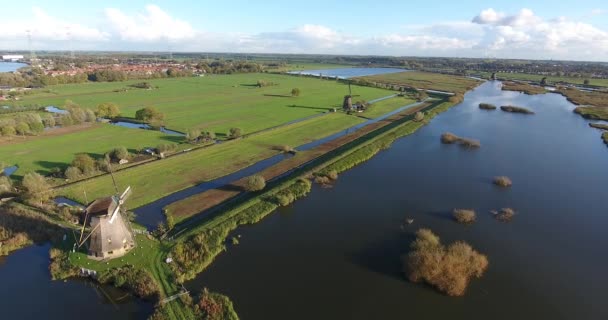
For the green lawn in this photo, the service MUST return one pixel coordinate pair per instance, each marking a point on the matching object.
(385, 106)
(215, 102)
(426, 80)
(550, 79)
(160, 178)
(43, 153)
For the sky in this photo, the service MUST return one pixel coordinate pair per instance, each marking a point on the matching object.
(561, 30)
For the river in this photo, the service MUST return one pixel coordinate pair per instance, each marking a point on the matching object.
(346, 73)
(11, 66)
(336, 253)
(29, 293)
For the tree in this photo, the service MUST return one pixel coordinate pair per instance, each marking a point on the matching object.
(208, 135)
(22, 128)
(5, 184)
(84, 163)
(8, 131)
(586, 82)
(295, 92)
(108, 110)
(36, 127)
(193, 134)
(255, 183)
(119, 153)
(543, 81)
(48, 121)
(36, 188)
(149, 114)
(235, 133)
(72, 173)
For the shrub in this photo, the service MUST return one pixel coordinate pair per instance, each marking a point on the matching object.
(464, 215)
(284, 199)
(72, 173)
(323, 180)
(193, 134)
(450, 138)
(502, 181)
(487, 106)
(287, 149)
(448, 269)
(6, 185)
(255, 183)
(419, 116)
(84, 163)
(214, 306)
(165, 147)
(119, 153)
(138, 281)
(235, 133)
(332, 174)
(504, 214)
(295, 92)
(515, 109)
(8, 131)
(36, 188)
(22, 128)
(107, 110)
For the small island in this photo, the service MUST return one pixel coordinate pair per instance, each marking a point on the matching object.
(487, 106)
(515, 109)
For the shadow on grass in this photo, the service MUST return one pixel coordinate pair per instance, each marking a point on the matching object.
(306, 107)
(277, 95)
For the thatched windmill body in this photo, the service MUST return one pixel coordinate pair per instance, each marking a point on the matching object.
(110, 235)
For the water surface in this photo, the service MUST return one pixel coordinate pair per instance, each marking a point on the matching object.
(336, 254)
(11, 66)
(346, 73)
(29, 293)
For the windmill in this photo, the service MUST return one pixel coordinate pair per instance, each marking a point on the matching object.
(347, 103)
(110, 235)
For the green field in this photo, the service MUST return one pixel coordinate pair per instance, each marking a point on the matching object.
(215, 102)
(160, 178)
(385, 106)
(426, 80)
(44, 153)
(550, 79)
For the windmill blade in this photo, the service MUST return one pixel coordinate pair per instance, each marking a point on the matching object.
(125, 194)
(114, 214)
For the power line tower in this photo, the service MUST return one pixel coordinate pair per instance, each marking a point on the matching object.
(29, 45)
(70, 43)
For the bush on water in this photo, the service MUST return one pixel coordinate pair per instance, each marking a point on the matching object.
(449, 269)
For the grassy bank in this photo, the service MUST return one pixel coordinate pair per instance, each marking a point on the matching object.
(595, 113)
(523, 87)
(424, 80)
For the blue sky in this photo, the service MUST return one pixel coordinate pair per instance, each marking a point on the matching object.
(519, 29)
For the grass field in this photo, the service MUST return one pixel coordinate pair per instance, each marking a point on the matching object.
(215, 102)
(160, 178)
(44, 153)
(382, 107)
(426, 80)
(550, 79)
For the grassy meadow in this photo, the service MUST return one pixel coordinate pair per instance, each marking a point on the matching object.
(160, 178)
(214, 102)
(44, 153)
(385, 106)
(426, 80)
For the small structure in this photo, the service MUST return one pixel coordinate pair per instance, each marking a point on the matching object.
(110, 235)
(12, 57)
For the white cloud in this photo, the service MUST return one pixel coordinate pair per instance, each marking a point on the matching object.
(523, 34)
(152, 25)
(45, 28)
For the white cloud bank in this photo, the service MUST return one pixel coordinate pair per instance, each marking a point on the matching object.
(489, 33)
